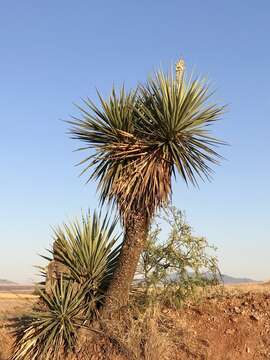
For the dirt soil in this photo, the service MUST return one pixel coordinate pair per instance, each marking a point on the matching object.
(234, 325)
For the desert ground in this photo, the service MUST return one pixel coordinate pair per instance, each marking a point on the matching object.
(232, 323)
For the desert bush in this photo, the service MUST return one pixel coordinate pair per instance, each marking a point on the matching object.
(174, 265)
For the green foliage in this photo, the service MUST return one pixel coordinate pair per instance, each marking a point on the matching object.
(88, 253)
(138, 140)
(172, 269)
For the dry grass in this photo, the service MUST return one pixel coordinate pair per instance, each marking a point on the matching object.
(5, 344)
(14, 296)
(140, 335)
(12, 306)
(15, 305)
(247, 287)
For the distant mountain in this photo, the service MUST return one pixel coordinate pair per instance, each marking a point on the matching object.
(234, 280)
(225, 279)
(6, 282)
(10, 286)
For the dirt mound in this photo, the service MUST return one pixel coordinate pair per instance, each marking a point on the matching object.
(234, 325)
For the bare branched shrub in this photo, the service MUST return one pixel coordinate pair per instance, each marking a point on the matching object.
(139, 334)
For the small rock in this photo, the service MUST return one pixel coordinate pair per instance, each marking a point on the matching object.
(237, 310)
(230, 331)
(254, 317)
(198, 311)
(205, 342)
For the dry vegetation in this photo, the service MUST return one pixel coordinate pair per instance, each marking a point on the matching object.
(12, 307)
(230, 324)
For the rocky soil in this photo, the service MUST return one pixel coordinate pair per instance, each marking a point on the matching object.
(234, 325)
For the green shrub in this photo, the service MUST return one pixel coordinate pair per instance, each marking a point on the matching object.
(173, 266)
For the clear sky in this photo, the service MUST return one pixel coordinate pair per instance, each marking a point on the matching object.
(55, 52)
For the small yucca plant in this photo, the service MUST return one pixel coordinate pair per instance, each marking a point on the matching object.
(51, 332)
(88, 250)
(89, 253)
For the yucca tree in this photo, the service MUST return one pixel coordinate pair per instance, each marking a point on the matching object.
(137, 141)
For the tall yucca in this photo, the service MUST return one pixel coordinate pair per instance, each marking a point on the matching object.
(138, 141)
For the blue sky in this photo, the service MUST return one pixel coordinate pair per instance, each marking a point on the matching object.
(55, 52)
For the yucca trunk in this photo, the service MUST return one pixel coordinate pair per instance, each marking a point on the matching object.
(136, 228)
